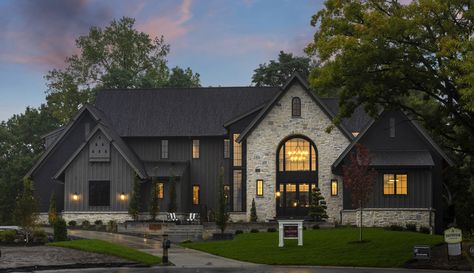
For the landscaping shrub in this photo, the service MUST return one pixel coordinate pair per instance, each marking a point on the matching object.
(60, 230)
(425, 230)
(85, 224)
(254, 230)
(315, 227)
(7, 236)
(111, 226)
(98, 223)
(186, 241)
(271, 229)
(237, 232)
(411, 227)
(40, 236)
(304, 228)
(72, 223)
(395, 228)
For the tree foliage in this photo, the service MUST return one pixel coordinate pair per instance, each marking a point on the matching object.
(117, 56)
(222, 215)
(417, 57)
(277, 72)
(134, 205)
(154, 201)
(26, 209)
(317, 209)
(53, 210)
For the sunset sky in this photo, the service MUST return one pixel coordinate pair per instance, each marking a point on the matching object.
(224, 41)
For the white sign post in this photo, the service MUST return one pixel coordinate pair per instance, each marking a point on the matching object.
(290, 229)
(453, 237)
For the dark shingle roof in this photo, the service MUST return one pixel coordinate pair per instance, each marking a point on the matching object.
(356, 123)
(178, 111)
(166, 169)
(402, 158)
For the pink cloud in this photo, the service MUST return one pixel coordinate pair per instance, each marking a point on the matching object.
(172, 26)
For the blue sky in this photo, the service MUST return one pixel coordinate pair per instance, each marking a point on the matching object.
(222, 40)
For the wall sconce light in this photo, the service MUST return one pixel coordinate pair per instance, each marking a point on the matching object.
(122, 196)
(75, 196)
(277, 194)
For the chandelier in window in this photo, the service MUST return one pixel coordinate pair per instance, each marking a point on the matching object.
(298, 154)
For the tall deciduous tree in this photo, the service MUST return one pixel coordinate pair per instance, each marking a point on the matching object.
(359, 178)
(117, 56)
(26, 209)
(277, 72)
(417, 57)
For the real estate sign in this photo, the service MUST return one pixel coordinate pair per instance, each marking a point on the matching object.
(290, 229)
(453, 236)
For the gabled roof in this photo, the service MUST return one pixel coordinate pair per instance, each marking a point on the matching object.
(169, 112)
(424, 135)
(117, 142)
(65, 130)
(296, 78)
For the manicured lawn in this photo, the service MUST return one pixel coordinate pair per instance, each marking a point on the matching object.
(322, 247)
(102, 247)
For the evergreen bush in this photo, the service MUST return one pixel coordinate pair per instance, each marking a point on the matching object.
(60, 230)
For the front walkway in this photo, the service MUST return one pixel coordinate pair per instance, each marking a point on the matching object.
(181, 257)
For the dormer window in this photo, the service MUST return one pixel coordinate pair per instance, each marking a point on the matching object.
(296, 107)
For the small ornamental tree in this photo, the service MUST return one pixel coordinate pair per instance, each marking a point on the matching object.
(359, 178)
(172, 207)
(26, 212)
(60, 229)
(222, 216)
(154, 201)
(317, 209)
(52, 211)
(134, 205)
(253, 212)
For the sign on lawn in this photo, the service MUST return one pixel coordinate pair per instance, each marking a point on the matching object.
(421, 252)
(290, 229)
(453, 235)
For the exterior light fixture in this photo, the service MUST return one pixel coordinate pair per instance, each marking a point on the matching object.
(277, 194)
(122, 196)
(295, 204)
(75, 196)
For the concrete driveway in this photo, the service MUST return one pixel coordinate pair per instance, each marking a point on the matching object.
(181, 257)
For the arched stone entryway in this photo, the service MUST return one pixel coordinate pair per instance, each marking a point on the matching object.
(296, 175)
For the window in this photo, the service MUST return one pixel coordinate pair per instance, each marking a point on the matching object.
(99, 193)
(392, 127)
(164, 149)
(297, 154)
(395, 184)
(237, 190)
(195, 148)
(259, 187)
(334, 187)
(237, 152)
(304, 195)
(160, 190)
(226, 148)
(195, 194)
(296, 107)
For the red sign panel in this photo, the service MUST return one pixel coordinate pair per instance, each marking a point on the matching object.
(154, 226)
(290, 232)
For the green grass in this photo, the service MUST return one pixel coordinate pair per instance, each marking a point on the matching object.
(330, 247)
(102, 247)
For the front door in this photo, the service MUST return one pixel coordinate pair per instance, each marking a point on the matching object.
(293, 199)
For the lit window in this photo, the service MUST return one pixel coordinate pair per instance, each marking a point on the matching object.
(297, 154)
(395, 184)
(296, 107)
(333, 187)
(195, 194)
(226, 148)
(160, 190)
(164, 148)
(195, 148)
(304, 195)
(237, 151)
(259, 187)
(237, 190)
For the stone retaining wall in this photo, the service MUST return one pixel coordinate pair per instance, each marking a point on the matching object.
(93, 216)
(373, 217)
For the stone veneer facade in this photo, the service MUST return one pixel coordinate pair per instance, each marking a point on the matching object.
(263, 142)
(377, 217)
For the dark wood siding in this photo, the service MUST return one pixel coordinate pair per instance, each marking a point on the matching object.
(42, 177)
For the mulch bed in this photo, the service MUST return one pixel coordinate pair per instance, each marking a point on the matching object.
(439, 260)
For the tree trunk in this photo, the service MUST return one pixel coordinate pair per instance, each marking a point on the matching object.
(360, 226)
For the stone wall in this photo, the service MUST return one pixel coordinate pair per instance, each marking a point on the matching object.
(374, 217)
(262, 145)
(92, 216)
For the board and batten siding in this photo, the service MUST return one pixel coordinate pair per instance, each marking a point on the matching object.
(81, 171)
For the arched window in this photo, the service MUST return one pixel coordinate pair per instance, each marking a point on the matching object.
(297, 154)
(296, 107)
